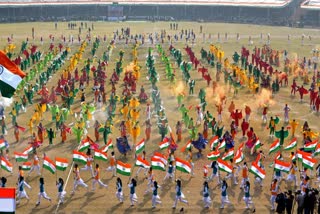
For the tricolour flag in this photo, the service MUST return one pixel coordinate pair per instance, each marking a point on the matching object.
(28, 150)
(49, 165)
(282, 166)
(100, 155)
(214, 142)
(2, 143)
(164, 144)
(308, 162)
(10, 76)
(310, 146)
(108, 146)
(160, 156)
(26, 166)
(157, 164)
(317, 150)
(228, 155)
(183, 166)
(61, 163)
(187, 146)
(214, 155)
(85, 144)
(123, 168)
(257, 144)
(224, 166)
(257, 171)
(222, 144)
(6, 165)
(140, 146)
(239, 156)
(275, 146)
(142, 163)
(8, 200)
(291, 145)
(20, 157)
(300, 154)
(79, 157)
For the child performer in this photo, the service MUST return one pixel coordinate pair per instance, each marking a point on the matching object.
(42, 193)
(119, 192)
(112, 166)
(247, 198)
(21, 191)
(77, 179)
(179, 195)
(169, 172)
(133, 196)
(97, 178)
(224, 195)
(88, 166)
(36, 164)
(61, 193)
(155, 196)
(206, 196)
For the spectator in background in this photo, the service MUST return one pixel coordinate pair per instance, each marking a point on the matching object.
(300, 202)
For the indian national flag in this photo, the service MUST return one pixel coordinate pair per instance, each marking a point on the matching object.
(61, 164)
(140, 146)
(239, 156)
(8, 200)
(164, 144)
(108, 146)
(183, 166)
(308, 162)
(85, 144)
(20, 157)
(28, 150)
(257, 171)
(317, 150)
(228, 155)
(142, 163)
(224, 166)
(123, 168)
(310, 146)
(160, 156)
(214, 155)
(6, 165)
(49, 165)
(100, 155)
(222, 145)
(282, 166)
(2, 141)
(187, 146)
(157, 164)
(257, 145)
(79, 157)
(26, 166)
(291, 145)
(301, 154)
(10, 76)
(275, 146)
(214, 142)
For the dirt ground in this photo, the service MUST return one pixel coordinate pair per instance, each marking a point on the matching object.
(104, 200)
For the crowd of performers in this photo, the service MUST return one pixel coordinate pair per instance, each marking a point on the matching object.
(259, 70)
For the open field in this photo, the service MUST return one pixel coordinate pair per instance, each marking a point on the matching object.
(104, 200)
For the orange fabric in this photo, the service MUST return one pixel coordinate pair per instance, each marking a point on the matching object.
(35, 160)
(245, 172)
(97, 177)
(89, 161)
(273, 189)
(8, 64)
(112, 161)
